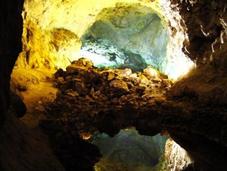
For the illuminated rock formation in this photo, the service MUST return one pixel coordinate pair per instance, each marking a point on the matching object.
(136, 30)
(192, 111)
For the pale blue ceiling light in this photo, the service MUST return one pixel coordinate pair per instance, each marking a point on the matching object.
(134, 37)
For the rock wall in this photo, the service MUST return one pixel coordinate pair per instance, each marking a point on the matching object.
(19, 147)
(76, 18)
(200, 127)
(135, 30)
(48, 22)
(205, 23)
(204, 90)
(10, 46)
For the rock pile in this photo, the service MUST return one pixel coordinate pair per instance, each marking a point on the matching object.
(86, 92)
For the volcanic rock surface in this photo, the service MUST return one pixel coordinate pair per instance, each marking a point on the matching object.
(194, 113)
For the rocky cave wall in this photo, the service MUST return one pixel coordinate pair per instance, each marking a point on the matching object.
(205, 23)
(18, 143)
(59, 26)
(206, 45)
(10, 46)
(53, 34)
(137, 32)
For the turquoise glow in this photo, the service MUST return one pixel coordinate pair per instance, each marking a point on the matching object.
(134, 39)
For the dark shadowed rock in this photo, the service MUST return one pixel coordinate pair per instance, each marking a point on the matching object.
(18, 105)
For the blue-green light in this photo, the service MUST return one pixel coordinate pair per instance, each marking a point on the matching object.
(131, 38)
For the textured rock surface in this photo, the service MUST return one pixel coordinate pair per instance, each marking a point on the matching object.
(136, 27)
(204, 89)
(206, 27)
(89, 95)
(133, 29)
(177, 157)
(25, 149)
(10, 46)
(19, 147)
(195, 116)
(106, 100)
(43, 18)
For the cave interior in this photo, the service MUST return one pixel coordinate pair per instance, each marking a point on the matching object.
(122, 85)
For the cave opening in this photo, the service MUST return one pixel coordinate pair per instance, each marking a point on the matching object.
(108, 63)
(127, 36)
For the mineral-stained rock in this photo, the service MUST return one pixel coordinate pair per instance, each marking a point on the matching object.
(150, 72)
(119, 84)
(111, 76)
(199, 127)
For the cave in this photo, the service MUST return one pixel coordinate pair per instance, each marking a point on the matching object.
(117, 85)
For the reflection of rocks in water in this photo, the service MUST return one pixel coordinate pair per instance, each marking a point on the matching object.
(129, 150)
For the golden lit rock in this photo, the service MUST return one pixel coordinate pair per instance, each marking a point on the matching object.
(115, 90)
(177, 158)
(53, 30)
(151, 72)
